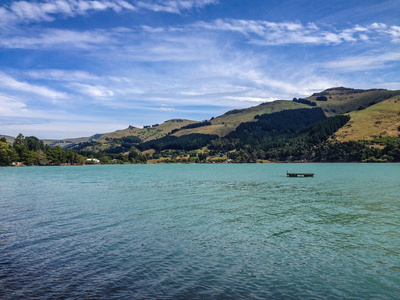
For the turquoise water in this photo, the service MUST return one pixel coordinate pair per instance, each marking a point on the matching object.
(200, 232)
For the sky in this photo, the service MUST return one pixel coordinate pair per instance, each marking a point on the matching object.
(74, 68)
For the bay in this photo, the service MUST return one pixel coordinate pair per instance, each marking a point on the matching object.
(218, 231)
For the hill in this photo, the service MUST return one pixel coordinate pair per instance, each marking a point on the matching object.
(381, 119)
(228, 122)
(316, 128)
(144, 134)
(8, 138)
(333, 101)
(341, 100)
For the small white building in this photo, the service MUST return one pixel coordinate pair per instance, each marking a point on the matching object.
(92, 161)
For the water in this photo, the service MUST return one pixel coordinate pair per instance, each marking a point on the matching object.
(200, 232)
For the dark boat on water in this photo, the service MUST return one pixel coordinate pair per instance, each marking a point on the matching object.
(299, 174)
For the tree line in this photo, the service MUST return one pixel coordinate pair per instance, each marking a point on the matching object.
(31, 151)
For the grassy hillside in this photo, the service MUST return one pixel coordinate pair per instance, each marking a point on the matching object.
(344, 100)
(229, 121)
(145, 134)
(117, 141)
(149, 133)
(382, 119)
(338, 100)
(67, 142)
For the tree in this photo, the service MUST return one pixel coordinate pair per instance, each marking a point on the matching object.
(8, 154)
(135, 156)
(19, 140)
(56, 155)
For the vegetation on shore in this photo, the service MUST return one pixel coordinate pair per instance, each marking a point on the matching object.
(336, 125)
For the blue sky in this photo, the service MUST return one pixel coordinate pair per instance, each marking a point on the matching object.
(71, 68)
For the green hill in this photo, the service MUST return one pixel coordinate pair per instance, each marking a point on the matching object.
(272, 130)
(338, 100)
(345, 100)
(379, 120)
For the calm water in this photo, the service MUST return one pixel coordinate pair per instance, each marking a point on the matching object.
(200, 232)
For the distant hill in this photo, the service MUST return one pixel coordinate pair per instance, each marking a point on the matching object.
(9, 139)
(372, 114)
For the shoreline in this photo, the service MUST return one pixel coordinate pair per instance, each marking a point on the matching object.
(210, 163)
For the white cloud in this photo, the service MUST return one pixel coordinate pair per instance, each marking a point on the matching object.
(284, 33)
(23, 11)
(250, 99)
(47, 11)
(62, 129)
(93, 90)
(166, 108)
(53, 38)
(395, 32)
(362, 63)
(73, 76)
(10, 83)
(173, 6)
(12, 107)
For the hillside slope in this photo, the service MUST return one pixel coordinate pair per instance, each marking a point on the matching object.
(339, 100)
(382, 119)
(345, 100)
(228, 122)
(145, 134)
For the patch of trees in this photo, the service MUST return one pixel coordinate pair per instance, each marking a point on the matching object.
(287, 120)
(287, 135)
(196, 125)
(321, 98)
(123, 144)
(305, 101)
(187, 142)
(31, 151)
(322, 130)
(270, 128)
(90, 145)
(189, 126)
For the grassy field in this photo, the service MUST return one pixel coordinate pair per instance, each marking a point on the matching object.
(382, 119)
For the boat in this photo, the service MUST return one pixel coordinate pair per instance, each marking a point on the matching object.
(299, 174)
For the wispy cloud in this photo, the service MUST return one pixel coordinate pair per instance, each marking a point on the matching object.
(93, 90)
(73, 76)
(11, 106)
(285, 33)
(53, 38)
(11, 83)
(362, 62)
(26, 12)
(173, 6)
(48, 11)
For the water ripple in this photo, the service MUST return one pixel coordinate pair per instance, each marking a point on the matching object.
(200, 232)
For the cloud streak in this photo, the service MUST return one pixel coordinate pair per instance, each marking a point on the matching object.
(48, 11)
(54, 38)
(9, 82)
(286, 33)
(363, 62)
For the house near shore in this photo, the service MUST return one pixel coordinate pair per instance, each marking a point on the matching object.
(92, 161)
